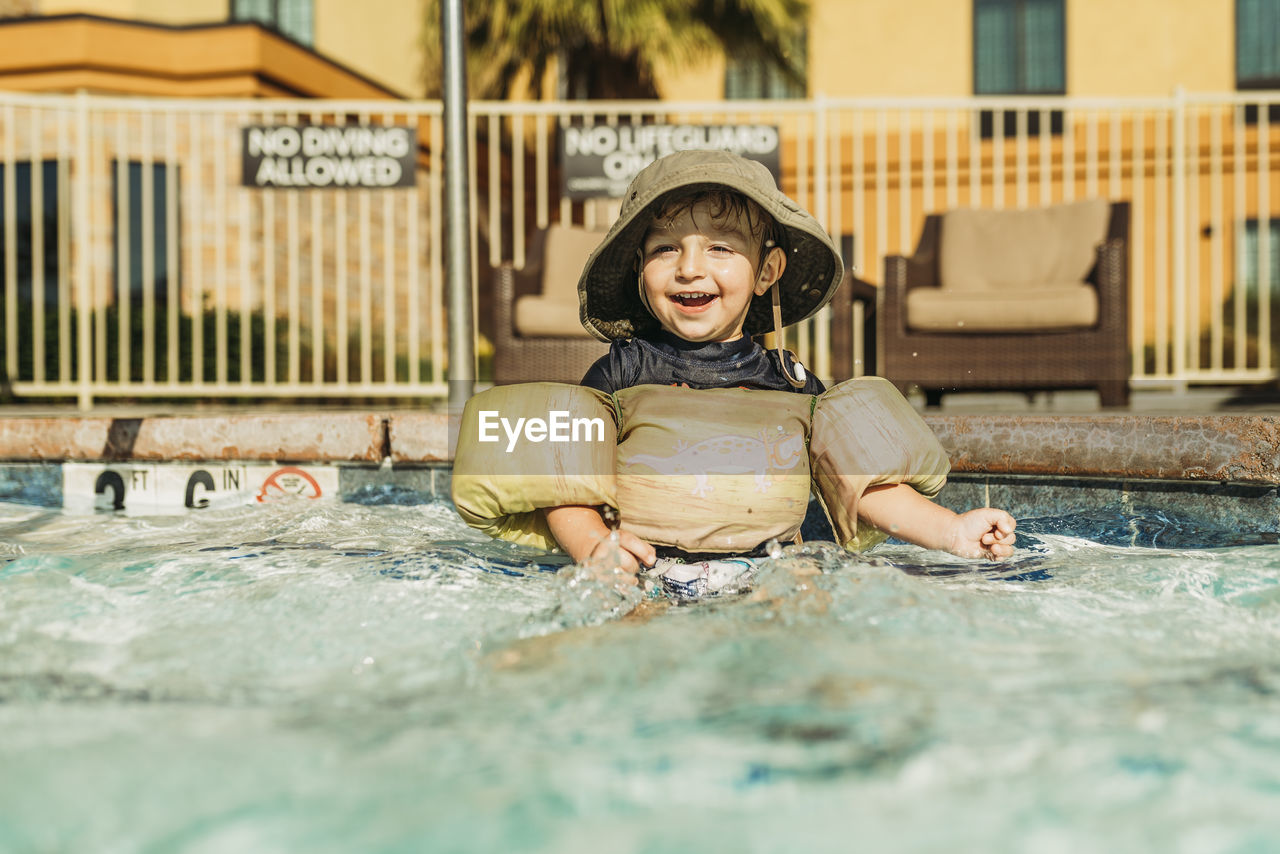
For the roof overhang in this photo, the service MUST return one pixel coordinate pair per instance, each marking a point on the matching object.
(231, 60)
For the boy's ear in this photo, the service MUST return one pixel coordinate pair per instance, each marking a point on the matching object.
(771, 270)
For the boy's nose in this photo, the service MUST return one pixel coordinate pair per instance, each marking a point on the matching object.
(691, 263)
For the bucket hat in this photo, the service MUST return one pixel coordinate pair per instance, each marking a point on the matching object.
(609, 300)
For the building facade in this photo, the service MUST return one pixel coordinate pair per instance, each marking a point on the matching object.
(168, 270)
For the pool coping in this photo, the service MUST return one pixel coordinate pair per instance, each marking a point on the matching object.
(1211, 448)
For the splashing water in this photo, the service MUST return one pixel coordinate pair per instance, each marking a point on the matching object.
(336, 677)
(598, 590)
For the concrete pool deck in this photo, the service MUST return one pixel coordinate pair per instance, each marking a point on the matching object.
(1207, 457)
(1219, 435)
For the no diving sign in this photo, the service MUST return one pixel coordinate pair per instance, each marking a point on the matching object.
(329, 157)
(170, 488)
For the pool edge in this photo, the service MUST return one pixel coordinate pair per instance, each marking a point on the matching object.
(1215, 448)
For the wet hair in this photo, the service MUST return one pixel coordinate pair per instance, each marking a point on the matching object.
(725, 206)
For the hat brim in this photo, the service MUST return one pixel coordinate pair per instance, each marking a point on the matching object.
(608, 294)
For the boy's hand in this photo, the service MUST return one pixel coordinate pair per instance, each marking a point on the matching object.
(628, 554)
(983, 533)
(582, 533)
(899, 510)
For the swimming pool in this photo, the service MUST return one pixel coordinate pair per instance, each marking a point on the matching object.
(329, 676)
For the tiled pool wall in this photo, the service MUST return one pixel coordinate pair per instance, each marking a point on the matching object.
(44, 484)
(1223, 471)
(1216, 506)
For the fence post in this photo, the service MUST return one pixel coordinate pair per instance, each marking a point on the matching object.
(822, 200)
(1180, 225)
(83, 256)
(457, 193)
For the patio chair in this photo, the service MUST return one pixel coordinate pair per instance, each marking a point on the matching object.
(1022, 300)
(537, 334)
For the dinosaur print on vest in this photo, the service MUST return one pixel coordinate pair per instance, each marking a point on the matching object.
(729, 455)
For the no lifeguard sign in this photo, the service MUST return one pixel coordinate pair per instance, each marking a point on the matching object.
(601, 160)
(329, 156)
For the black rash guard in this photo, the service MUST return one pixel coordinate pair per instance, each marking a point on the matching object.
(665, 359)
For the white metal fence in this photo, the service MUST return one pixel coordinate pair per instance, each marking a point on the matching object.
(137, 263)
(134, 260)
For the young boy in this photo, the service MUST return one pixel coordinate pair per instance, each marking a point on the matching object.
(704, 253)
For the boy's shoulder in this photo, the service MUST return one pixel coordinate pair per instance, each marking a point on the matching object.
(610, 373)
(812, 385)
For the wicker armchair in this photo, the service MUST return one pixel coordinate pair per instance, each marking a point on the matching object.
(1096, 356)
(552, 265)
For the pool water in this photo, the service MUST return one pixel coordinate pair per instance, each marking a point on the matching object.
(329, 677)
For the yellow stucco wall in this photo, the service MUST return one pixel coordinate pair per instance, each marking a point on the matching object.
(380, 41)
(887, 47)
(867, 47)
(1150, 47)
(702, 82)
(156, 11)
(925, 48)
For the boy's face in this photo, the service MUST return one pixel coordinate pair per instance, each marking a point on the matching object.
(699, 273)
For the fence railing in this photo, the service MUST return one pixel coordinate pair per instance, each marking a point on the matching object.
(138, 257)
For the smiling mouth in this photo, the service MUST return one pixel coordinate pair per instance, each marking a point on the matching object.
(693, 300)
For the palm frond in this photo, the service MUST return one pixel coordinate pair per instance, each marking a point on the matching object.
(618, 41)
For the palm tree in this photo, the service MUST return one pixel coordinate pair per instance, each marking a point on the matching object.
(608, 49)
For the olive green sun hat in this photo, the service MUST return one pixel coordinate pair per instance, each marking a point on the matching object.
(608, 291)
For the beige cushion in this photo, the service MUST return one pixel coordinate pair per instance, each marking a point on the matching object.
(554, 312)
(1068, 305)
(538, 317)
(988, 250)
(567, 250)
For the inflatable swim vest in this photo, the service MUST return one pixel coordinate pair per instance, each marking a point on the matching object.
(701, 470)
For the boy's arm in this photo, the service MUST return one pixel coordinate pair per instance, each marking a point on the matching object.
(581, 532)
(900, 511)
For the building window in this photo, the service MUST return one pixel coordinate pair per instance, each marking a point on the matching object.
(135, 226)
(32, 223)
(1251, 256)
(28, 244)
(1257, 44)
(1019, 48)
(757, 78)
(293, 19)
(1258, 51)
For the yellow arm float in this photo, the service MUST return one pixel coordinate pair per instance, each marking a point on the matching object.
(531, 446)
(703, 470)
(712, 470)
(866, 434)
